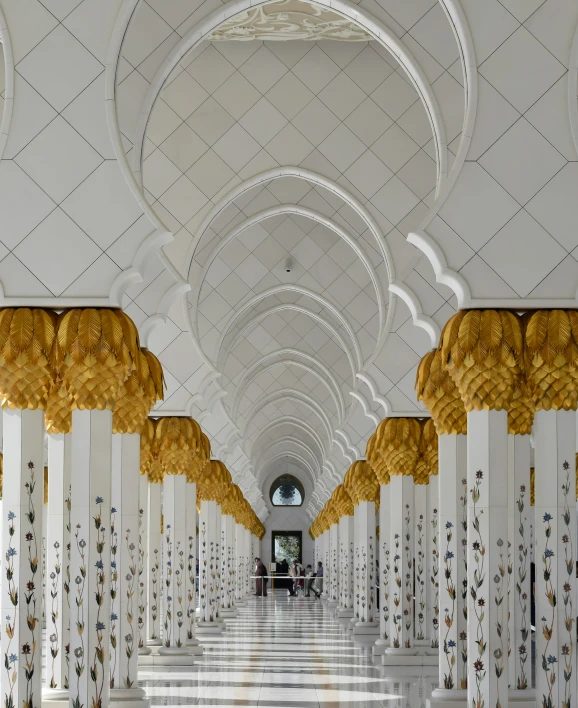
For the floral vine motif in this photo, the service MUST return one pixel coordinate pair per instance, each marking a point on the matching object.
(420, 582)
(548, 660)
(191, 589)
(449, 644)
(54, 614)
(479, 578)
(180, 576)
(66, 585)
(80, 582)
(204, 570)
(463, 636)
(501, 652)
(223, 569)
(568, 591)
(96, 673)
(363, 573)
(434, 581)
(168, 584)
(408, 578)
(357, 582)
(370, 580)
(522, 597)
(213, 581)
(113, 593)
(130, 592)
(10, 658)
(385, 584)
(397, 592)
(155, 592)
(141, 581)
(29, 648)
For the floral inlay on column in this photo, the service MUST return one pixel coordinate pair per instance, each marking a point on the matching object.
(141, 582)
(419, 579)
(29, 648)
(408, 577)
(435, 582)
(463, 635)
(54, 637)
(155, 588)
(449, 644)
(191, 590)
(397, 592)
(567, 649)
(203, 568)
(11, 658)
(500, 655)
(180, 579)
(80, 582)
(168, 587)
(522, 597)
(385, 580)
(130, 592)
(113, 594)
(479, 577)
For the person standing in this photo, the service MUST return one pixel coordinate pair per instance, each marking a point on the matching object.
(261, 581)
(318, 589)
(309, 577)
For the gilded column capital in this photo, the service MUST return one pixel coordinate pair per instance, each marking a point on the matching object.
(398, 443)
(231, 502)
(143, 387)
(361, 483)
(551, 354)
(178, 440)
(342, 501)
(27, 338)
(93, 354)
(214, 483)
(483, 352)
(437, 390)
(521, 411)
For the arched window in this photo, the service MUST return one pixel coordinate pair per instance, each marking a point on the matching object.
(287, 490)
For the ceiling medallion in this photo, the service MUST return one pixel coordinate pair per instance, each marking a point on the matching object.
(289, 19)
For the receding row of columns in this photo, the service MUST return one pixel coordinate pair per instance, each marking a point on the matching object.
(121, 519)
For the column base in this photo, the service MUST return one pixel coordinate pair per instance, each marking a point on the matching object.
(344, 613)
(169, 656)
(408, 657)
(55, 697)
(209, 628)
(129, 698)
(379, 647)
(366, 628)
(333, 604)
(144, 651)
(154, 642)
(352, 622)
(228, 613)
(454, 698)
(240, 603)
(194, 647)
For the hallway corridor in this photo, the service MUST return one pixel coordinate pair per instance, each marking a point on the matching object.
(288, 654)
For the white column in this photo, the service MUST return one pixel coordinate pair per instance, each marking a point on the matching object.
(90, 600)
(555, 534)
(249, 564)
(228, 566)
(143, 561)
(421, 533)
(334, 565)
(191, 526)
(124, 563)
(175, 577)
(58, 567)
(452, 551)
(433, 563)
(401, 565)
(345, 566)
(366, 541)
(21, 536)
(240, 561)
(154, 565)
(488, 558)
(209, 567)
(384, 567)
(520, 589)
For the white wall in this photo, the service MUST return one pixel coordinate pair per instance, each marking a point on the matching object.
(287, 518)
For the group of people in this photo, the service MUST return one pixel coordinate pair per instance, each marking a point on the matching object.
(306, 578)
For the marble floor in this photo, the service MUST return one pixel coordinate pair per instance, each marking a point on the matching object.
(286, 653)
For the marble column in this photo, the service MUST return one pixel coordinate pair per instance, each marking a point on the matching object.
(401, 573)
(21, 537)
(333, 590)
(143, 561)
(228, 566)
(191, 533)
(365, 541)
(174, 650)
(453, 582)
(555, 538)
(520, 587)
(345, 608)
(241, 565)
(384, 571)
(58, 567)
(155, 590)
(90, 557)
(433, 564)
(124, 564)
(488, 557)
(421, 533)
(209, 567)
(250, 587)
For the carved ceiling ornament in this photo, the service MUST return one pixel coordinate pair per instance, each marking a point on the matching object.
(289, 19)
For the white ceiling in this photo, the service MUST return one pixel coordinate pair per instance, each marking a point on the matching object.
(319, 151)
